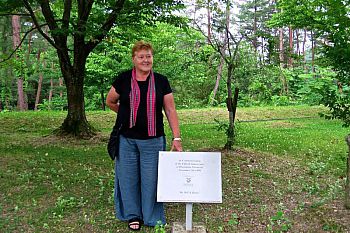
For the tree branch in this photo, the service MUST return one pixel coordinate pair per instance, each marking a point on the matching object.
(227, 31)
(213, 42)
(107, 25)
(86, 7)
(19, 14)
(236, 51)
(36, 23)
(84, 10)
(18, 46)
(66, 14)
(48, 14)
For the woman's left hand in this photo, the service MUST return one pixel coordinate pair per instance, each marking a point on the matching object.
(176, 146)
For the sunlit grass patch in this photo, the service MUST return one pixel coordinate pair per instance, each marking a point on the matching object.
(309, 140)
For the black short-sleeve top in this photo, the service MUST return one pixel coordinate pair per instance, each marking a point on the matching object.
(122, 85)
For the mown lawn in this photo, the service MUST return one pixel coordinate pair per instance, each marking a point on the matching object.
(285, 174)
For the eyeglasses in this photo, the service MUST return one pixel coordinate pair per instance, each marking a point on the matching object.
(143, 57)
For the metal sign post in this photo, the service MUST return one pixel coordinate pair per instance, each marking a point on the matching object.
(189, 216)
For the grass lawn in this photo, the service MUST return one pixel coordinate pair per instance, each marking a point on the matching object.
(286, 173)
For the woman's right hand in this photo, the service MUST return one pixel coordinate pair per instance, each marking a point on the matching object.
(112, 100)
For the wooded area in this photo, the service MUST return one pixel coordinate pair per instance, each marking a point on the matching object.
(65, 55)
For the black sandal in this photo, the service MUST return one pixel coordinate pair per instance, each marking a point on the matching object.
(135, 224)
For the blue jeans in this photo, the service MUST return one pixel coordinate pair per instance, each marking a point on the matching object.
(136, 174)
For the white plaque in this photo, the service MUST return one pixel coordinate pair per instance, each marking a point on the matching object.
(189, 177)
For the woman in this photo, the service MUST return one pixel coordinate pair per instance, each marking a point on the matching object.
(138, 96)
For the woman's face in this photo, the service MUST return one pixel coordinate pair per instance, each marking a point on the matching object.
(143, 60)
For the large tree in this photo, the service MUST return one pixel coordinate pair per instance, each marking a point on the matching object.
(227, 47)
(75, 29)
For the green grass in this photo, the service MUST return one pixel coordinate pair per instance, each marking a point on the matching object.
(309, 140)
(293, 166)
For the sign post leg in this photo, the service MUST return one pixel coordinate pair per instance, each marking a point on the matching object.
(189, 216)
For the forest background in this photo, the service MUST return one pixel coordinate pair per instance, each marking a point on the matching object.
(275, 64)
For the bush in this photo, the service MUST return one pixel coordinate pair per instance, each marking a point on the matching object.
(56, 103)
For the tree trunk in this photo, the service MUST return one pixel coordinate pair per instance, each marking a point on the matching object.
(21, 100)
(218, 78)
(229, 102)
(234, 104)
(30, 36)
(297, 42)
(281, 55)
(222, 52)
(103, 101)
(255, 40)
(61, 84)
(102, 96)
(347, 185)
(230, 69)
(40, 82)
(75, 122)
(209, 21)
(9, 96)
(304, 53)
(291, 49)
(16, 27)
(7, 103)
(38, 92)
(313, 52)
(51, 91)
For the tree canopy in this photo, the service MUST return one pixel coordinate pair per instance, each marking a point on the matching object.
(75, 28)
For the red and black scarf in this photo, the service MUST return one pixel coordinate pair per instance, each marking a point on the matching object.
(151, 103)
